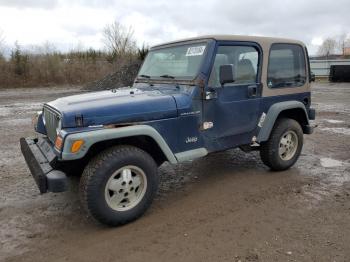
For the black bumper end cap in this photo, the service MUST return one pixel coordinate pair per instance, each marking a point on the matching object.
(56, 181)
(308, 129)
(312, 114)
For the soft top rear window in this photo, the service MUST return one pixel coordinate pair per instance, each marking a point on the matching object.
(287, 66)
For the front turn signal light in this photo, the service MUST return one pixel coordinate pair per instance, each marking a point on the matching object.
(59, 142)
(76, 146)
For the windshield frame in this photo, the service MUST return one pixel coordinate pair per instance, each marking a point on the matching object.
(177, 79)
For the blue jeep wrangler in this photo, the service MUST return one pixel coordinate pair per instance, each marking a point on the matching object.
(190, 98)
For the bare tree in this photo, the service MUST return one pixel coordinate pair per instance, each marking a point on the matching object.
(328, 47)
(2, 37)
(119, 39)
(341, 43)
(2, 42)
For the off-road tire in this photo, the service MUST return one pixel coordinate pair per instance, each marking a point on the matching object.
(269, 151)
(99, 170)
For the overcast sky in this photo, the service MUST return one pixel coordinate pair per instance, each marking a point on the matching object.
(69, 23)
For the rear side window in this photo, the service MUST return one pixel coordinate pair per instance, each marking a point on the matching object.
(286, 66)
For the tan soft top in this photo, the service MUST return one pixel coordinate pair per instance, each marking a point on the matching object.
(265, 43)
(262, 40)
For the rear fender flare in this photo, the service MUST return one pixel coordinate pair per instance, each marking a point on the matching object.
(272, 115)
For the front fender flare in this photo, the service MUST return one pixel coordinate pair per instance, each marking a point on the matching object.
(95, 136)
(272, 115)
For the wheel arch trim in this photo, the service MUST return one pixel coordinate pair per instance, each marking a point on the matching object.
(272, 115)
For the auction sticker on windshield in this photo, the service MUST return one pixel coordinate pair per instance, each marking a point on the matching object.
(195, 50)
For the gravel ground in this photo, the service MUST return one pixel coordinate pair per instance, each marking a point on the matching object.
(225, 207)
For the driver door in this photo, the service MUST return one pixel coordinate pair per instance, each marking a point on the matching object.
(233, 108)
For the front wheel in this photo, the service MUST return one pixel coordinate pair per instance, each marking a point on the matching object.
(119, 184)
(284, 146)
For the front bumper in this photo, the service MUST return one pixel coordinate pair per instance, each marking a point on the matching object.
(312, 114)
(309, 129)
(40, 157)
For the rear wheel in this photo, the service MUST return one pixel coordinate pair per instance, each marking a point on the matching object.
(119, 184)
(284, 146)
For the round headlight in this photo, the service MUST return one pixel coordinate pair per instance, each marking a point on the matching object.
(59, 126)
(43, 117)
(35, 118)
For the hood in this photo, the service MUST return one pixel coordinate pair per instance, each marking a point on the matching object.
(115, 106)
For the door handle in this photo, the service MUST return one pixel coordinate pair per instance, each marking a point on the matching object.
(252, 91)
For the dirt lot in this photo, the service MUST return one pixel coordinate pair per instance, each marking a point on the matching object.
(225, 207)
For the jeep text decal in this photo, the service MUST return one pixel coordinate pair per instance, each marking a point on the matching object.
(192, 139)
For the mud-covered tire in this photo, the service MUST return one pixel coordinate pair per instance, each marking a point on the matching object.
(100, 174)
(270, 152)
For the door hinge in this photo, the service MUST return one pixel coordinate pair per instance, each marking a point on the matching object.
(207, 125)
(210, 95)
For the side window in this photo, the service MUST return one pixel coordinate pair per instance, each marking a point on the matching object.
(286, 66)
(245, 60)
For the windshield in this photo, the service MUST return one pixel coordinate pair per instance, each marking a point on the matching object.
(181, 62)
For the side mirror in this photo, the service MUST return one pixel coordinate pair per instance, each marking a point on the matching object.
(312, 77)
(227, 74)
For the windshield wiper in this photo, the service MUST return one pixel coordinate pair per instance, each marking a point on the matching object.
(145, 76)
(167, 76)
